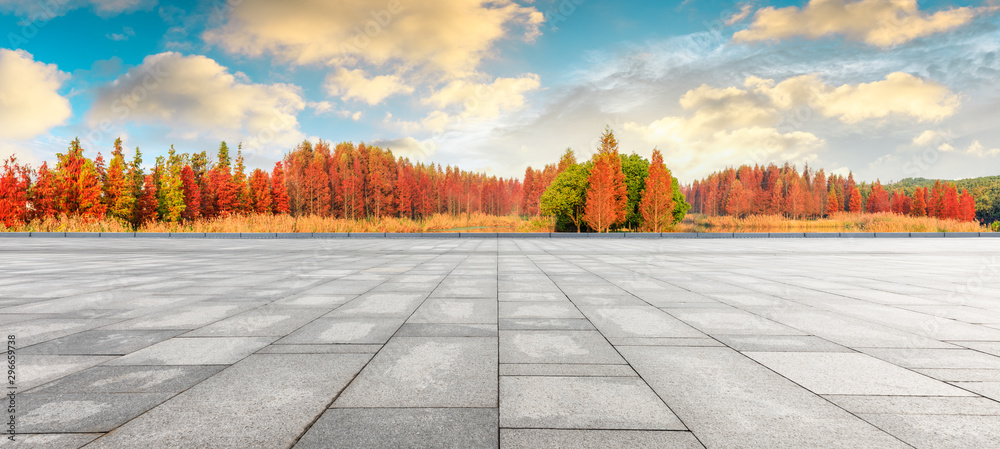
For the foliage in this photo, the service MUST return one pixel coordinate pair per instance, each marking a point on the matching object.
(657, 204)
(566, 196)
(607, 195)
(985, 191)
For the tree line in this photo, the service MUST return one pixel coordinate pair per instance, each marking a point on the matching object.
(774, 190)
(343, 181)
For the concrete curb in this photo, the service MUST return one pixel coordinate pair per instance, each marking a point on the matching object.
(497, 235)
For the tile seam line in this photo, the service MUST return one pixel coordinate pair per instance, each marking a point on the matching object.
(329, 404)
(644, 381)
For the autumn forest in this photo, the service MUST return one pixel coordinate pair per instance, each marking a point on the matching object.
(364, 184)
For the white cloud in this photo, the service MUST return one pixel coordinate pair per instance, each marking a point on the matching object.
(409, 147)
(196, 94)
(744, 124)
(880, 23)
(353, 84)
(463, 101)
(30, 103)
(898, 95)
(740, 15)
(126, 33)
(928, 137)
(977, 149)
(443, 37)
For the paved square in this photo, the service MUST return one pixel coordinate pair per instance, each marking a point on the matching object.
(469, 343)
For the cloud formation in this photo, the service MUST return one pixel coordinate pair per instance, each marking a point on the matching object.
(477, 101)
(750, 124)
(196, 93)
(354, 84)
(408, 147)
(30, 103)
(898, 95)
(880, 23)
(442, 37)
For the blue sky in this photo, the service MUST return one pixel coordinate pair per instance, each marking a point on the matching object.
(886, 88)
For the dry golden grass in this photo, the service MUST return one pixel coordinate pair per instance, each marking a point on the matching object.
(287, 223)
(70, 224)
(842, 222)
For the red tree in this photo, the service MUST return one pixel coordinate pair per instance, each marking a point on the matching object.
(832, 203)
(951, 210)
(967, 207)
(260, 192)
(192, 194)
(854, 204)
(279, 190)
(657, 204)
(919, 208)
(78, 182)
(607, 196)
(44, 196)
(14, 184)
(148, 203)
(878, 199)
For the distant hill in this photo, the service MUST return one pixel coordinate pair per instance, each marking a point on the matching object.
(986, 190)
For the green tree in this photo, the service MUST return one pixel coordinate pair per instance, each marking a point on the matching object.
(566, 197)
(636, 169)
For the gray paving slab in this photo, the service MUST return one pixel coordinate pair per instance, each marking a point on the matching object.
(446, 330)
(535, 346)
(260, 322)
(195, 351)
(936, 358)
(36, 369)
(851, 373)
(780, 343)
(987, 389)
(380, 305)
(916, 405)
(545, 324)
(729, 400)
(101, 342)
(457, 428)
(456, 310)
(344, 330)
(867, 317)
(81, 413)
(275, 395)
(428, 372)
(731, 321)
(50, 440)
(566, 370)
(940, 431)
(597, 439)
(131, 379)
(542, 310)
(582, 403)
(637, 322)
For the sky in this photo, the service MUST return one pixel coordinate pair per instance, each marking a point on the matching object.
(888, 89)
